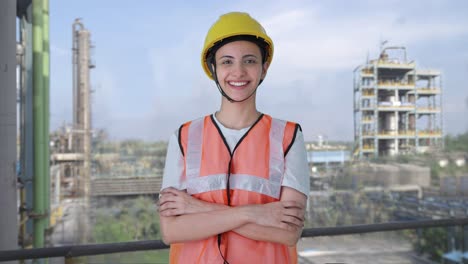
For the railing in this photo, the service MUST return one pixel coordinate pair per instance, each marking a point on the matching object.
(99, 249)
(396, 84)
(428, 109)
(368, 93)
(428, 90)
(367, 72)
(411, 133)
(394, 63)
(368, 148)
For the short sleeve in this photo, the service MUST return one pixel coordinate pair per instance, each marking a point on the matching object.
(296, 173)
(174, 167)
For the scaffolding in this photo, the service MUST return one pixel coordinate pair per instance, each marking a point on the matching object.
(397, 107)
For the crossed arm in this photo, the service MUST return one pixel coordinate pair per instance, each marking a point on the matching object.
(185, 218)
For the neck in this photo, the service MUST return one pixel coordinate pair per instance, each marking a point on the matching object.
(238, 115)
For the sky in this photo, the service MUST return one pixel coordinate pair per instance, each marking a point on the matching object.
(148, 78)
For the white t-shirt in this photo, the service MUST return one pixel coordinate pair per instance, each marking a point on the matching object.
(296, 173)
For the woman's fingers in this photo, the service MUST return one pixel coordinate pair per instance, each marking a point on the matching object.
(170, 209)
(295, 212)
(292, 204)
(287, 215)
(170, 212)
(293, 221)
(172, 191)
(167, 197)
(174, 199)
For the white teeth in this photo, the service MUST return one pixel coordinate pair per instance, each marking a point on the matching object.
(237, 83)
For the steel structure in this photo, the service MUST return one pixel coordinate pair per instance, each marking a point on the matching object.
(397, 107)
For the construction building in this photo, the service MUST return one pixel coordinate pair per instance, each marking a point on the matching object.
(397, 107)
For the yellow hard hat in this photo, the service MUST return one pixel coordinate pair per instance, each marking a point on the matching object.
(230, 25)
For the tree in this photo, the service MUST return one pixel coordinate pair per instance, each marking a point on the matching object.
(130, 220)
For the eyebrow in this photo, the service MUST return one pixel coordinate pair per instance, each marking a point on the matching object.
(232, 57)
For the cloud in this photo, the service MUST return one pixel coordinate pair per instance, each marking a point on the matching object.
(317, 46)
(307, 41)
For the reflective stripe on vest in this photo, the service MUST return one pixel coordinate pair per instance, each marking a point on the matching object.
(270, 186)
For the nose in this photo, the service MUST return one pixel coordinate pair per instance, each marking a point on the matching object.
(238, 70)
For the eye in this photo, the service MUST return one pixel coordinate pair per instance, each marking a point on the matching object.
(226, 62)
(251, 61)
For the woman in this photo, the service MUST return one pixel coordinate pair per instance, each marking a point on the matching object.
(236, 182)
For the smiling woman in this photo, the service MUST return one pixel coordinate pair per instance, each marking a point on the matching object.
(235, 183)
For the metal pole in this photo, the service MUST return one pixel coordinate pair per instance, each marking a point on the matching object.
(46, 79)
(8, 203)
(39, 211)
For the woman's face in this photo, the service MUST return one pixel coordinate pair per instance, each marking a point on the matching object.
(239, 68)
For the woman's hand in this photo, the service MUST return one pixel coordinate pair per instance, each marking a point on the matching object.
(174, 202)
(288, 215)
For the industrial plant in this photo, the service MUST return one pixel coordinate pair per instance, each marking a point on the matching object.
(397, 106)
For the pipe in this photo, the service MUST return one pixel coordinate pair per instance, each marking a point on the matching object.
(46, 80)
(39, 210)
(25, 189)
(8, 181)
(397, 47)
(26, 146)
(77, 25)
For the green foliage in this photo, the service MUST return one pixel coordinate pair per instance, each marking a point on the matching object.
(432, 242)
(136, 148)
(130, 220)
(129, 158)
(435, 171)
(457, 143)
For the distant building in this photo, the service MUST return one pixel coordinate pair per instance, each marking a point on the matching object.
(397, 107)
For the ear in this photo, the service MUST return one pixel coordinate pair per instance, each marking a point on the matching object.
(211, 67)
(265, 67)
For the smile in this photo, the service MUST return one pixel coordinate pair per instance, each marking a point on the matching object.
(237, 84)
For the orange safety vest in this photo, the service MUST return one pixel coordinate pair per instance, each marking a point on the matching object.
(251, 175)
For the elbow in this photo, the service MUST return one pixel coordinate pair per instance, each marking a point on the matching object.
(166, 240)
(291, 241)
(292, 238)
(167, 237)
(166, 234)
(170, 236)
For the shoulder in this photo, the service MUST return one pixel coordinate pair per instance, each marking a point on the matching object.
(288, 123)
(183, 131)
(193, 121)
(290, 130)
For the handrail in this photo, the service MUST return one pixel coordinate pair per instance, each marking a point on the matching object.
(81, 250)
(108, 248)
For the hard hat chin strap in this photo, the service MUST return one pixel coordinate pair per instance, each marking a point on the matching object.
(215, 77)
